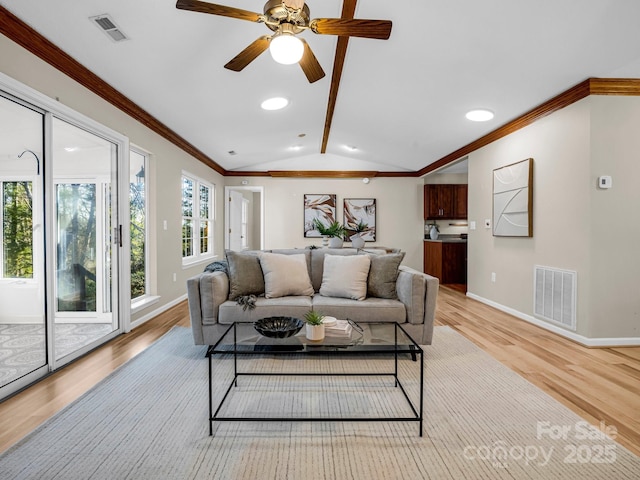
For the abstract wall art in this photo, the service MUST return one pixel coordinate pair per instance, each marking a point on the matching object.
(513, 200)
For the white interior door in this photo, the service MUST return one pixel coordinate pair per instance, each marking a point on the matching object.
(235, 220)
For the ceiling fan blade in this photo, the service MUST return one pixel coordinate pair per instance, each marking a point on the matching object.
(380, 29)
(212, 8)
(310, 65)
(249, 54)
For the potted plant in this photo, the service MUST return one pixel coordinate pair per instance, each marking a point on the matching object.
(335, 231)
(315, 326)
(356, 239)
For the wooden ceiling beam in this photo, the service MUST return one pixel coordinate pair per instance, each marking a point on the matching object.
(348, 12)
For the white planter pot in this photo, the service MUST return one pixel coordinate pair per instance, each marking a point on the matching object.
(357, 241)
(315, 332)
(335, 242)
(433, 233)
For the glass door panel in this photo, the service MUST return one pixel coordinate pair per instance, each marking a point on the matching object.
(85, 290)
(23, 340)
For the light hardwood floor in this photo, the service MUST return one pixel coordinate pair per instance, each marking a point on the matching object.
(600, 385)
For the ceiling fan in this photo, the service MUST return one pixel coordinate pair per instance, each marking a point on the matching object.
(288, 18)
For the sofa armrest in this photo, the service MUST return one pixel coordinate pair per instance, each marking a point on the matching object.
(206, 292)
(419, 292)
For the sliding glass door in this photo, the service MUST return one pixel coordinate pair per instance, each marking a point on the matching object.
(62, 244)
(23, 339)
(84, 167)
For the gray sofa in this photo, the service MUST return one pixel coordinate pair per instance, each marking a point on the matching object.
(212, 311)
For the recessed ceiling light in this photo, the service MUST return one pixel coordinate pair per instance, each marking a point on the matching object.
(71, 149)
(479, 115)
(275, 103)
(351, 148)
(296, 147)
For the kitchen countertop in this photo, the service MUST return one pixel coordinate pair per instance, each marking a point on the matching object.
(447, 239)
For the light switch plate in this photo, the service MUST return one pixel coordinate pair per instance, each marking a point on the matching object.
(472, 225)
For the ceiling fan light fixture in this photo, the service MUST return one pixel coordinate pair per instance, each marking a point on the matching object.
(275, 103)
(286, 48)
(479, 115)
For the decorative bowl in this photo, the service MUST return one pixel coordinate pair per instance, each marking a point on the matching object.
(278, 327)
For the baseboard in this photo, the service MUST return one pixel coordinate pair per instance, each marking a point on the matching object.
(158, 311)
(586, 341)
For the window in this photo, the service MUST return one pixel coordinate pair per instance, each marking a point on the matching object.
(138, 219)
(197, 219)
(17, 229)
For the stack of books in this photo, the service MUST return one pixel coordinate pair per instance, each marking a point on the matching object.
(339, 328)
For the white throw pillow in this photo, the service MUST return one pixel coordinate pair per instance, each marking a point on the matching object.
(345, 276)
(285, 275)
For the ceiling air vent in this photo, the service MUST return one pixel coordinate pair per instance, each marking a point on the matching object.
(108, 26)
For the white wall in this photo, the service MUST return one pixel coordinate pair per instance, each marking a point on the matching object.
(575, 225)
(399, 219)
(164, 177)
(615, 231)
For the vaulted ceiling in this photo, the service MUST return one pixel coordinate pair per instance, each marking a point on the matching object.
(394, 105)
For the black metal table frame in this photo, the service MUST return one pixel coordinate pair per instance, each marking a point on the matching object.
(412, 349)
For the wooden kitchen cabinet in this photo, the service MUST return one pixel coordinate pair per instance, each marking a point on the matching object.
(446, 261)
(460, 198)
(445, 201)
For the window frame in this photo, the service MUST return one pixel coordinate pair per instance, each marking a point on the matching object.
(196, 220)
(147, 242)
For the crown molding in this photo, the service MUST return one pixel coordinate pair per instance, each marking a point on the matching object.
(591, 86)
(322, 173)
(25, 36)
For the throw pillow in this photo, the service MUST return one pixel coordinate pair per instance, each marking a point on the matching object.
(285, 275)
(245, 274)
(383, 275)
(345, 276)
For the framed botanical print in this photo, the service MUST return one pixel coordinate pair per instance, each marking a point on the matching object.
(360, 216)
(321, 207)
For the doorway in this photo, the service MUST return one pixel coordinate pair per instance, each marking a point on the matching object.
(244, 218)
(61, 238)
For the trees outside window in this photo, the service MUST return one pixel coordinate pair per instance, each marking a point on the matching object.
(138, 223)
(17, 229)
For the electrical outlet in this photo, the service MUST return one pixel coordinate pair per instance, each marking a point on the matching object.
(493, 277)
(472, 225)
(164, 224)
(175, 277)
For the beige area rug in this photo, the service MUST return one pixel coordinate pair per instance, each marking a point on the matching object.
(148, 420)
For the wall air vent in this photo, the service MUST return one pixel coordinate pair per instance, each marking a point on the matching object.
(555, 295)
(108, 26)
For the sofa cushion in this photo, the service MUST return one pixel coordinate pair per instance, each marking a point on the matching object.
(345, 277)
(296, 251)
(317, 262)
(383, 275)
(285, 275)
(245, 274)
(265, 307)
(369, 310)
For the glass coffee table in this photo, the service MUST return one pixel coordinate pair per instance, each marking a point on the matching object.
(241, 342)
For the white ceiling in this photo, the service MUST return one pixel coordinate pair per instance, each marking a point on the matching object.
(401, 102)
